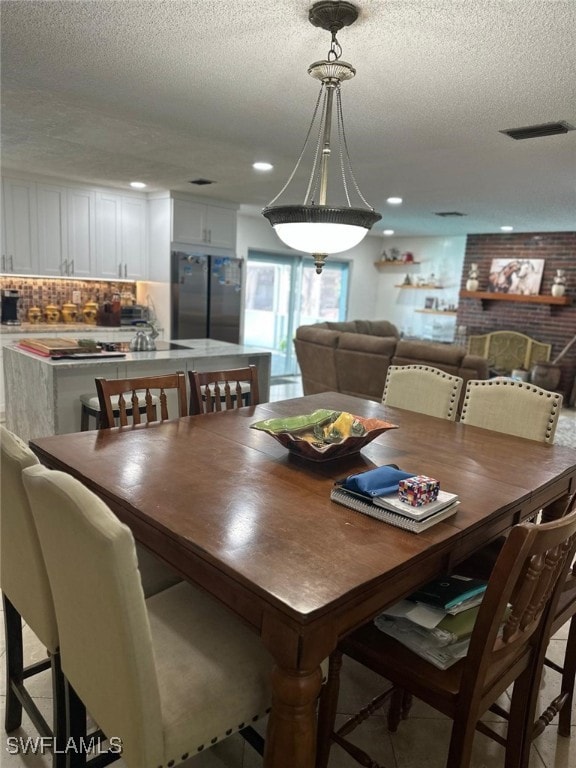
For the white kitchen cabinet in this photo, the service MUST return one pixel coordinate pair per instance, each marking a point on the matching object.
(159, 240)
(52, 230)
(19, 227)
(198, 223)
(121, 238)
(81, 233)
(134, 238)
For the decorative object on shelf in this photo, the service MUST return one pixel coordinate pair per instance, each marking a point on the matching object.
(472, 283)
(520, 276)
(52, 314)
(69, 312)
(559, 283)
(90, 312)
(316, 226)
(407, 280)
(34, 315)
(407, 257)
(430, 302)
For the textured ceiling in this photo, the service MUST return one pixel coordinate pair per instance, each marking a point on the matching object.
(164, 91)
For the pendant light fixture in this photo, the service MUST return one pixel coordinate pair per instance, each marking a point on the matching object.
(316, 226)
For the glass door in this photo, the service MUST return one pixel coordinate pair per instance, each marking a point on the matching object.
(283, 292)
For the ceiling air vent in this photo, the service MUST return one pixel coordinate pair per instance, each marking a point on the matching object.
(533, 131)
(201, 182)
(449, 213)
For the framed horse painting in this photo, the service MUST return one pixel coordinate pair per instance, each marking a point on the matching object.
(522, 276)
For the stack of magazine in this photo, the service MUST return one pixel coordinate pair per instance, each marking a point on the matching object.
(436, 621)
(392, 510)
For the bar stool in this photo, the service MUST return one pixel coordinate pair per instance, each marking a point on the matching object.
(91, 407)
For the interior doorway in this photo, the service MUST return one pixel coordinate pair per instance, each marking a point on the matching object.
(283, 292)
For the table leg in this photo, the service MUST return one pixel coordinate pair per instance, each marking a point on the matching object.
(291, 734)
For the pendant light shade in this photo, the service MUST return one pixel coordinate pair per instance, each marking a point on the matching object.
(316, 226)
(320, 229)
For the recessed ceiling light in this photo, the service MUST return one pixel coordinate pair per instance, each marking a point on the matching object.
(262, 166)
(394, 200)
(507, 229)
(137, 184)
(388, 232)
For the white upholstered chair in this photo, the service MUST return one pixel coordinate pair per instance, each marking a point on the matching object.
(514, 407)
(25, 594)
(178, 673)
(423, 389)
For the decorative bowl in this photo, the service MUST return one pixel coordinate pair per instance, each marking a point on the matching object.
(323, 435)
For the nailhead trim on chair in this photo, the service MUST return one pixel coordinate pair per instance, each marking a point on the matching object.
(441, 374)
(214, 740)
(518, 385)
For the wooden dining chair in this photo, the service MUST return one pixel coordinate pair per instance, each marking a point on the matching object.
(26, 596)
(138, 396)
(507, 647)
(222, 390)
(177, 674)
(514, 407)
(422, 389)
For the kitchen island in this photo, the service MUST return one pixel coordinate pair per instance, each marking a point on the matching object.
(43, 395)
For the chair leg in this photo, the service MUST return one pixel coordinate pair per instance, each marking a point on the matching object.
(399, 708)
(59, 712)
(14, 665)
(462, 740)
(521, 717)
(327, 710)
(84, 419)
(76, 728)
(568, 677)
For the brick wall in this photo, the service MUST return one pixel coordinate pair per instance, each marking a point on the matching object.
(551, 324)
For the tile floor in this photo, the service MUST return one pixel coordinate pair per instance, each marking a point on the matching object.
(421, 741)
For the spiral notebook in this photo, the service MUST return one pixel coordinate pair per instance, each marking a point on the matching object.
(340, 496)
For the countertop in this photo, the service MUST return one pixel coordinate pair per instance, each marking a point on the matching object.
(194, 348)
(58, 328)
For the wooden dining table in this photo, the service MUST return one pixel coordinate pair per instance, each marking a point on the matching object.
(238, 514)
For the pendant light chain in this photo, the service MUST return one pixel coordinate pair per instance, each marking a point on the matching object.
(302, 152)
(342, 142)
(312, 191)
(340, 120)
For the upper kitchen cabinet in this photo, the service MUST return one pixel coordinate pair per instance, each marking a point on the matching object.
(203, 224)
(52, 230)
(66, 231)
(81, 233)
(121, 243)
(19, 227)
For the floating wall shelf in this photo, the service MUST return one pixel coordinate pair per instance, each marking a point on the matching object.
(484, 297)
(422, 287)
(384, 264)
(448, 313)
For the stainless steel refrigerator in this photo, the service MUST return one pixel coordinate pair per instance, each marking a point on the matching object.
(206, 296)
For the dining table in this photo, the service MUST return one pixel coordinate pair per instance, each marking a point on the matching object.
(235, 512)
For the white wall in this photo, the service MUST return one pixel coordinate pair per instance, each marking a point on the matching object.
(441, 256)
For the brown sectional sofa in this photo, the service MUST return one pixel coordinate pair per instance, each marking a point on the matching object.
(353, 357)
